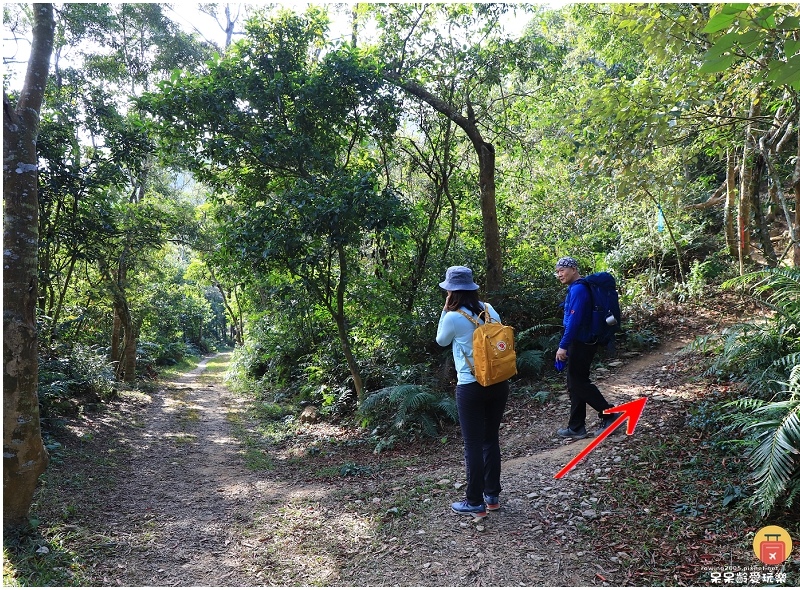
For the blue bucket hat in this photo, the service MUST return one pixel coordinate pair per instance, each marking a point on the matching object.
(458, 278)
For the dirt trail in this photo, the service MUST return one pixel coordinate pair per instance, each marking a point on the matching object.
(185, 483)
(185, 509)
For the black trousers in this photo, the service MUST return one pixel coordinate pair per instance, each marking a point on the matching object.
(581, 389)
(480, 410)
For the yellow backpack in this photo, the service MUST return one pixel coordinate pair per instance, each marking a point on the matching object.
(492, 349)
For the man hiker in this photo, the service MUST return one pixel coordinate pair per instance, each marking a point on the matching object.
(577, 349)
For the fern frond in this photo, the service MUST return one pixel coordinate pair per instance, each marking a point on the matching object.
(790, 360)
(794, 381)
(428, 425)
(374, 400)
(776, 459)
(703, 344)
(409, 406)
(793, 492)
(530, 361)
(747, 404)
(411, 397)
(533, 337)
(778, 288)
(448, 406)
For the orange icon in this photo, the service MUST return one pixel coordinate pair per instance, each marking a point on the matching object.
(772, 545)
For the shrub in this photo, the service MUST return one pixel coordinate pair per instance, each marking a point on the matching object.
(774, 431)
(765, 355)
(408, 409)
(71, 378)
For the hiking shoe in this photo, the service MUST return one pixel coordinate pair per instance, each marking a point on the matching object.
(492, 503)
(569, 433)
(607, 421)
(465, 507)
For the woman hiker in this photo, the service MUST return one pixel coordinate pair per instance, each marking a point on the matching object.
(480, 408)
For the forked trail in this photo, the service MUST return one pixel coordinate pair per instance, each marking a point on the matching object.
(186, 510)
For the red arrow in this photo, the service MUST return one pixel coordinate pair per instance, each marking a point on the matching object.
(631, 411)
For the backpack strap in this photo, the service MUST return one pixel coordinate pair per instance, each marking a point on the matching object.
(469, 317)
(474, 321)
(487, 318)
(482, 316)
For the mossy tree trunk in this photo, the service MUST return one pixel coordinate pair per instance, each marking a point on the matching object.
(24, 454)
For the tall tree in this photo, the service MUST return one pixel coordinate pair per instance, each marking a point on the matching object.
(24, 454)
(283, 136)
(431, 154)
(466, 48)
(757, 47)
(226, 21)
(739, 106)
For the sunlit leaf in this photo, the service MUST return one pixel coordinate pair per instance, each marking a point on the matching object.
(734, 7)
(719, 64)
(723, 44)
(790, 23)
(719, 22)
(786, 73)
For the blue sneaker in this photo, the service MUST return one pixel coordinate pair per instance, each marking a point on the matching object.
(569, 433)
(464, 507)
(608, 421)
(492, 503)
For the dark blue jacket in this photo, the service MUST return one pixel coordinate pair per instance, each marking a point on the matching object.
(577, 315)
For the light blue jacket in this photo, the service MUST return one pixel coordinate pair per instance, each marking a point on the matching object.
(456, 329)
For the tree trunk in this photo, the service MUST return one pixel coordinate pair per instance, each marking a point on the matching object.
(776, 193)
(124, 332)
(746, 179)
(486, 173)
(55, 316)
(758, 211)
(236, 333)
(730, 206)
(796, 186)
(24, 455)
(437, 168)
(355, 372)
(236, 328)
(116, 338)
(341, 325)
(491, 229)
(129, 350)
(240, 317)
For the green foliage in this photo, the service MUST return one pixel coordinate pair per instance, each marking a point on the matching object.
(164, 354)
(764, 35)
(335, 203)
(286, 139)
(355, 470)
(270, 355)
(408, 409)
(535, 346)
(760, 353)
(641, 339)
(766, 356)
(71, 378)
(530, 362)
(695, 287)
(46, 558)
(774, 429)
